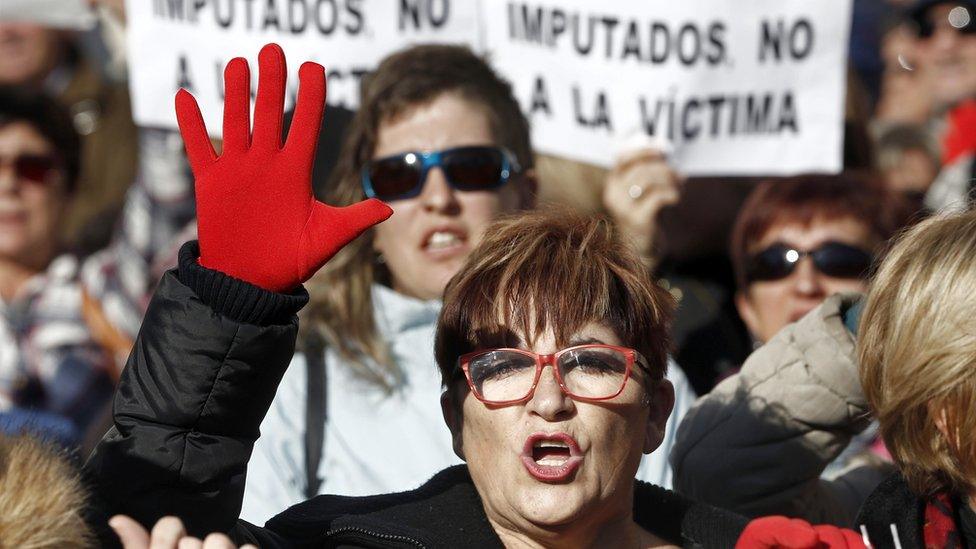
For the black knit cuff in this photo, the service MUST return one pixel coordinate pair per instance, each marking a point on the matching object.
(235, 298)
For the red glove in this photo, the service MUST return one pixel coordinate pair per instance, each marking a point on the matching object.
(257, 218)
(786, 533)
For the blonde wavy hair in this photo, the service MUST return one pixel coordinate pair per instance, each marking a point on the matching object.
(917, 347)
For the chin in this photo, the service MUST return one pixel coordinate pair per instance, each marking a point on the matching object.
(552, 505)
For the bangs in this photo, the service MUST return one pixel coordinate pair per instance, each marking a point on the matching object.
(546, 283)
(539, 272)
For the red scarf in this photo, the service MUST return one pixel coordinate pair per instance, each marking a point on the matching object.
(940, 530)
(960, 137)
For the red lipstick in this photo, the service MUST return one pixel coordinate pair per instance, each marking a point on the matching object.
(551, 457)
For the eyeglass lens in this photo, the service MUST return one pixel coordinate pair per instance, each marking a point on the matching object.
(959, 18)
(832, 259)
(588, 372)
(466, 169)
(32, 167)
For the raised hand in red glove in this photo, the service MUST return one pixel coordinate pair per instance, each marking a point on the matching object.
(257, 218)
(786, 533)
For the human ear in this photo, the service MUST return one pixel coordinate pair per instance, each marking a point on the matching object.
(661, 402)
(454, 420)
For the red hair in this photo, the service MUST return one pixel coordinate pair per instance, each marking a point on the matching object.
(805, 199)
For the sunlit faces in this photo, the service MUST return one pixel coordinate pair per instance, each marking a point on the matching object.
(768, 306)
(510, 450)
(947, 58)
(29, 210)
(429, 236)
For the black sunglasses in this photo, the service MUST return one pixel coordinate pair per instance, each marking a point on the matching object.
(961, 18)
(465, 168)
(32, 167)
(833, 259)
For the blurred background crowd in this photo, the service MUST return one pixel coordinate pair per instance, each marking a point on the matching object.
(93, 210)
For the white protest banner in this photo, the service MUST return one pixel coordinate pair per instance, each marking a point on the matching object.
(186, 43)
(734, 87)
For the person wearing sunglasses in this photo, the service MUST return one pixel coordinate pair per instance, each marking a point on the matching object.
(945, 60)
(66, 321)
(797, 241)
(946, 49)
(441, 139)
(800, 248)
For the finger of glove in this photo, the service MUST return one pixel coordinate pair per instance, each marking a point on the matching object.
(270, 103)
(199, 150)
(237, 105)
(769, 532)
(304, 132)
(329, 229)
(839, 538)
(854, 539)
(830, 536)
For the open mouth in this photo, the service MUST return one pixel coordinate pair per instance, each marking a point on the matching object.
(551, 457)
(443, 240)
(550, 453)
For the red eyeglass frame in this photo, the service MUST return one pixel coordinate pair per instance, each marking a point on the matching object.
(632, 356)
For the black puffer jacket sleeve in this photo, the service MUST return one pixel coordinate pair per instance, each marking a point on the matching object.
(201, 376)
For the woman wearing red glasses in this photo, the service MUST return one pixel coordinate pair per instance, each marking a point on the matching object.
(440, 138)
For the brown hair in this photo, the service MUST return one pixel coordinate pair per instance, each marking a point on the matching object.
(917, 354)
(807, 198)
(556, 270)
(342, 305)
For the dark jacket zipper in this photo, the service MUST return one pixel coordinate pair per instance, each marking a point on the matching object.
(373, 535)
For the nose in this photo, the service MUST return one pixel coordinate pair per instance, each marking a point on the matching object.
(437, 195)
(549, 401)
(945, 38)
(807, 280)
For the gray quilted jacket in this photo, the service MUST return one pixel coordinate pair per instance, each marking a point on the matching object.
(760, 442)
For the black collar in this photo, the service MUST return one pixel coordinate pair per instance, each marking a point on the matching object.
(447, 512)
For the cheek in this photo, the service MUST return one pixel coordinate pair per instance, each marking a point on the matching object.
(393, 235)
(484, 428)
(43, 204)
(617, 436)
(768, 298)
(478, 210)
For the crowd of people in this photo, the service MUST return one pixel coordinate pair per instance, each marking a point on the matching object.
(260, 339)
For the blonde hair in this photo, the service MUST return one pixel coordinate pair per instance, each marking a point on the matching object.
(917, 347)
(41, 497)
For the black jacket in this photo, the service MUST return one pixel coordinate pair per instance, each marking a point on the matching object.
(201, 376)
(894, 510)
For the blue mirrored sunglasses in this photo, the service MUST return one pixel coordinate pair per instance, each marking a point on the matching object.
(403, 175)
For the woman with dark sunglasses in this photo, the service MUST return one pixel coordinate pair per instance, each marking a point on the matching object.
(66, 321)
(440, 138)
(795, 244)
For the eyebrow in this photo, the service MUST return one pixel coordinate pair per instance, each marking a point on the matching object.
(583, 340)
